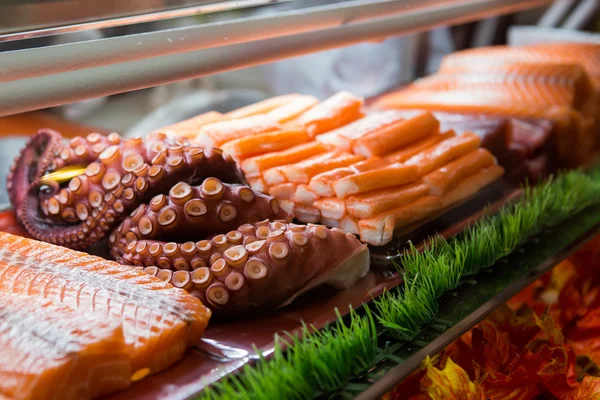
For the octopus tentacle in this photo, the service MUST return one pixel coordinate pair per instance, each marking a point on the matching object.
(188, 213)
(120, 175)
(265, 264)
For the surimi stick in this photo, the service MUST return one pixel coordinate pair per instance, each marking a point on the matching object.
(322, 184)
(338, 110)
(445, 152)
(287, 206)
(394, 175)
(328, 222)
(345, 137)
(305, 196)
(397, 135)
(218, 133)
(261, 143)
(190, 128)
(379, 230)
(369, 204)
(293, 109)
(258, 164)
(303, 172)
(444, 179)
(472, 185)
(331, 207)
(275, 176)
(349, 224)
(262, 107)
(307, 214)
(417, 147)
(258, 183)
(284, 191)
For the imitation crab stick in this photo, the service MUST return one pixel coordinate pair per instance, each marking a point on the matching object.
(276, 175)
(397, 135)
(283, 191)
(258, 183)
(303, 172)
(369, 204)
(258, 164)
(218, 133)
(417, 147)
(471, 185)
(262, 143)
(322, 184)
(262, 107)
(349, 224)
(331, 207)
(304, 195)
(287, 206)
(338, 110)
(445, 152)
(307, 214)
(344, 137)
(292, 109)
(379, 230)
(190, 128)
(444, 179)
(394, 175)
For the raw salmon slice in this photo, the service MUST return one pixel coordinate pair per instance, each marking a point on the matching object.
(292, 109)
(567, 82)
(338, 110)
(262, 107)
(379, 230)
(218, 133)
(52, 352)
(256, 165)
(397, 135)
(262, 143)
(159, 321)
(446, 178)
(404, 154)
(587, 55)
(394, 175)
(190, 128)
(372, 203)
(344, 137)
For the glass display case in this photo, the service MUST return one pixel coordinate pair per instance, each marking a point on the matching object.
(338, 239)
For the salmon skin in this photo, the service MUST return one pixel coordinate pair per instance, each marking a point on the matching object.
(159, 322)
(52, 352)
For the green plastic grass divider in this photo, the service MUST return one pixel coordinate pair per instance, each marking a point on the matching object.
(323, 361)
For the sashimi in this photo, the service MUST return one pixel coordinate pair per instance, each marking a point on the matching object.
(52, 352)
(159, 321)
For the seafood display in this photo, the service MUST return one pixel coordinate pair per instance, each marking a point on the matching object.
(84, 325)
(555, 85)
(181, 212)
(346, 167)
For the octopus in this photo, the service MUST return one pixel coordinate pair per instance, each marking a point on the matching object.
(180, 212)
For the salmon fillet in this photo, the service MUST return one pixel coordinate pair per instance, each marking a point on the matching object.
(159, 321)
(52, 352)
(587, 55)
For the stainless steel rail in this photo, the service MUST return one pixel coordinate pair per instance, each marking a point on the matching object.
(54, 75)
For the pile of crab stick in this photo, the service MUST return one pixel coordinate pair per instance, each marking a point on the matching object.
(333, 162)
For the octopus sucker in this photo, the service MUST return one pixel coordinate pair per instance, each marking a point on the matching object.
(181, 213)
